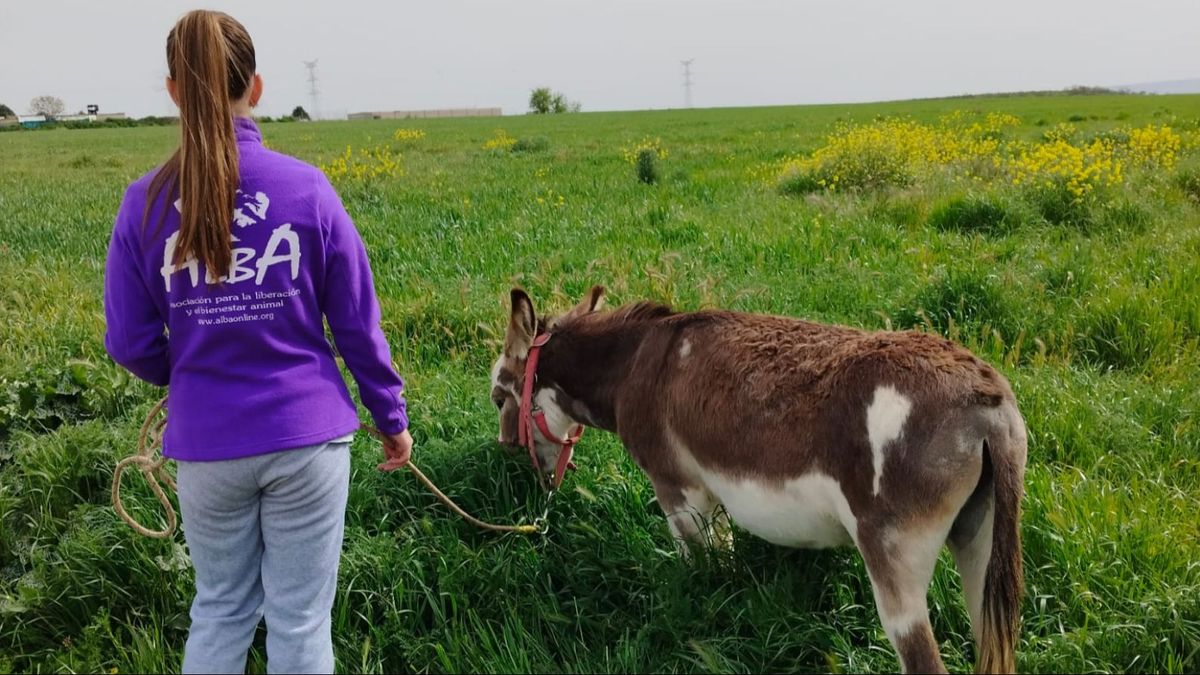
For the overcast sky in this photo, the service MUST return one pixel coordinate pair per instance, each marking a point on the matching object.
(607, 54)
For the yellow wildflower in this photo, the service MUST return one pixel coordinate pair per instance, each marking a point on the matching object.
(408, 134)
(501, 141)
(630, 153)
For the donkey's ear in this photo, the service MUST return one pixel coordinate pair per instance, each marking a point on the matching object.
(591, 302)
(594, 299)
(522, 325)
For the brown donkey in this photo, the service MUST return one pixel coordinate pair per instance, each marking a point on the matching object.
(808, 435)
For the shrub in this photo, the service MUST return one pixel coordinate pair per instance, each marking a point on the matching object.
(796, 182)
(882, 154)
(959, 298)
(646, 166)
(645, 156)
(1155, 146)
(894, 152)
(1055, 203)
(1066, 171)
(1125, 334)
(974, 213)
(535, 144)
(1188, 182)
(1125, 214)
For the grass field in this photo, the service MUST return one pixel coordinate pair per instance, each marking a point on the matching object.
(1093, 316)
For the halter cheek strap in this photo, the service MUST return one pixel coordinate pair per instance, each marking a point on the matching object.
(530, 418)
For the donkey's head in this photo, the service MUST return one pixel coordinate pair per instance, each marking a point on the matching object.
(508, 373)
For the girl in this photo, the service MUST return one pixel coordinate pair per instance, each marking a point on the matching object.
(221, 266)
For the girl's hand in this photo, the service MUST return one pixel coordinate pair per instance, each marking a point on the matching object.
(397, 450)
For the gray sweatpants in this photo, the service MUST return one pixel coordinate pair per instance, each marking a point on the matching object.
(265, 537)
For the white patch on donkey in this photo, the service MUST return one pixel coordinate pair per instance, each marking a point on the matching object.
(557, 420)
(809, 511)
(885, 423)
(496, 368)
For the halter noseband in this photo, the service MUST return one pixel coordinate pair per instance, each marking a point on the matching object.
(530, 417)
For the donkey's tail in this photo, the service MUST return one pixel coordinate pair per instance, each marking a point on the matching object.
(1003, 582)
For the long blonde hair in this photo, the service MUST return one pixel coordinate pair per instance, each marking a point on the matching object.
(211, 60)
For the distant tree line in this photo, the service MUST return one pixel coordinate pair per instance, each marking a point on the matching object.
(1069, 91)
(121, 123)
(149, 121)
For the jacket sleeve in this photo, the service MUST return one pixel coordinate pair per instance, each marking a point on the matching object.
(135, 332)
(350, 307)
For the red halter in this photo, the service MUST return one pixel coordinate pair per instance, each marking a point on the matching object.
(530, 416)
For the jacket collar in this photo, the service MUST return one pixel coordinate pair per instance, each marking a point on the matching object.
(246, 131)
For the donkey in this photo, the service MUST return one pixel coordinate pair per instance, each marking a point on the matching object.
(807, 435)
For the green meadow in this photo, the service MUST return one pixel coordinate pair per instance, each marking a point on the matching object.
(1089, 308)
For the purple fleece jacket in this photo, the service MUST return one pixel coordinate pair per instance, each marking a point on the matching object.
(247, 363)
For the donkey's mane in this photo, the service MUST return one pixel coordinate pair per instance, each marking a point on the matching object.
(641, 311)
(635, 313)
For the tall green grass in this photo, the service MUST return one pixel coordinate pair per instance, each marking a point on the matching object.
(1096, 326)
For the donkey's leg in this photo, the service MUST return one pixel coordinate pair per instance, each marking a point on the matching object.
(901, 563)
(689, 512)
(914, 517)
(971, 543)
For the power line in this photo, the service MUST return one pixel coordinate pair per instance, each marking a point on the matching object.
(313, 92)
(687, 82)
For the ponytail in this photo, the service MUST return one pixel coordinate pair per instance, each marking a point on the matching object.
(211, 60)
